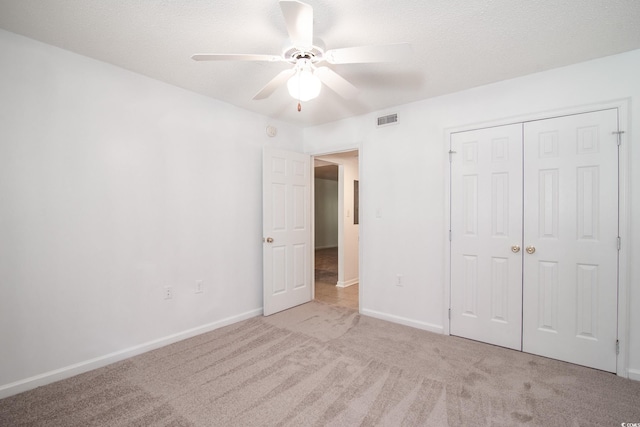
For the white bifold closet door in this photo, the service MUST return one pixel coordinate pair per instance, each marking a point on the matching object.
(486, 228)
(534, 248)
(571, 219)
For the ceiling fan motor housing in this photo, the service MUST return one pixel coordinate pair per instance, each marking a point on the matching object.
(292, 53)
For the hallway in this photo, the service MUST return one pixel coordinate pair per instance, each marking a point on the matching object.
(326, 275)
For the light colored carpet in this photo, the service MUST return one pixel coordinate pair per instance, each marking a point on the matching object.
(320, 365)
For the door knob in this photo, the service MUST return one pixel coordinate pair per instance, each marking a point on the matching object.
(269, 239)
(531, 249)
(515, 249)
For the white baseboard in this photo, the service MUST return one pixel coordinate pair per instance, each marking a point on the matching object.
(20, 386)
(634, 374)
(348, 283)
(438, 329)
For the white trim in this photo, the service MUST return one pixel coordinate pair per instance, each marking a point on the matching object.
(347, 283)
(101, 361)
(541, 115)
(361, 242)
(624, 111)
(438, 329)
(357, 147)
(634, 374)
(624, 224)
(446, 250)
(341, 221)
(331, 151)
(312, 231)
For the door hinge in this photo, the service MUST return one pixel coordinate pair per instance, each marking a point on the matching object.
(619, 242)
(617, 347)
(449, 314)
(451, 153)
(619, 133)
(449, 235)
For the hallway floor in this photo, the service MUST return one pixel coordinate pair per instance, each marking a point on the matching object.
(326, 273)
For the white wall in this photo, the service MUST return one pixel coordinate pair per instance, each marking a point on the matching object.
(326, 213)
(113, 186)
(403, 167)
(348, 233)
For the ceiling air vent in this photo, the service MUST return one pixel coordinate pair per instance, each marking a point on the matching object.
(391, 119)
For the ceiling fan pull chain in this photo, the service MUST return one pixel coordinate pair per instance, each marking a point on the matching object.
(299, 91)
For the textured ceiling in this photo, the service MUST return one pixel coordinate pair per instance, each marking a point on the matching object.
(457, 44)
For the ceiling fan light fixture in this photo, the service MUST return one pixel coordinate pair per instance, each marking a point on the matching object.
(306, 53)
(304, 85)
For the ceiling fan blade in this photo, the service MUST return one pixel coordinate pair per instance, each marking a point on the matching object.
(235, 57)
(274, 84)
(298, 17)
(336, 83)
(363, 54)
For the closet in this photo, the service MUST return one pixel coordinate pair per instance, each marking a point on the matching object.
(534, 237)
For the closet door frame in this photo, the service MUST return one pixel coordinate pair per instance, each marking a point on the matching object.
(624, 213)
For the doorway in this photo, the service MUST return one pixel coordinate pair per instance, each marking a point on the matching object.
(336, 223)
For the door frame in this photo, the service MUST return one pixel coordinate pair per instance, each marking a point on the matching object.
(360, 222)
(624, 210)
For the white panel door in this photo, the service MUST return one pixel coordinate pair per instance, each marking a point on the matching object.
(286, 204)
(571, 220)
(486, 224)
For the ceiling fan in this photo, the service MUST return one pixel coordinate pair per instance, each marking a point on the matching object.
(305, 78)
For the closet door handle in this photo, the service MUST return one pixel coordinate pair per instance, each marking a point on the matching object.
(531, 249)
(515, 249)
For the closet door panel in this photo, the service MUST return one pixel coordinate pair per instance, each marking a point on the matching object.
(571, 220)
(486, 222)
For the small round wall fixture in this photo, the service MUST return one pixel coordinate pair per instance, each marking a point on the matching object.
(272, 131)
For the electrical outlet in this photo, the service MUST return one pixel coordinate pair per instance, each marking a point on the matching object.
(168, 292)
(199, 286)
(398, 279)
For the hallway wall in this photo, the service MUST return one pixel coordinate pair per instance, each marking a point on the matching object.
(326, 213)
